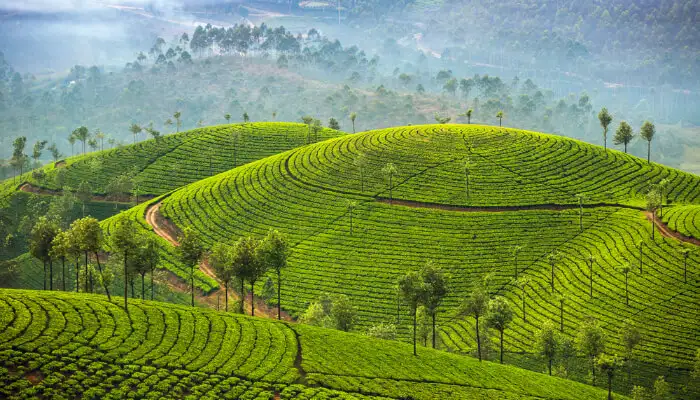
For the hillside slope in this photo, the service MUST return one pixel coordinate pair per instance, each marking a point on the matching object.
(69, 344)
(531, 179)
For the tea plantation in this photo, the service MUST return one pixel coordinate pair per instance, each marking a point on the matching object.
(66, 345)
(523, 189)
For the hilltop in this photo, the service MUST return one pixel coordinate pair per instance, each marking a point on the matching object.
(523, 189)
(75, 344)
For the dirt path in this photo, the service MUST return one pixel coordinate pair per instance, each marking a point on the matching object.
(168, 231)
(668, 232)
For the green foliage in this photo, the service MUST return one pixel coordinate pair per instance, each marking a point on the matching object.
(382, 330)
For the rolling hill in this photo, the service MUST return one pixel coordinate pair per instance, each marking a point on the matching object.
(522, 192)
(73, 345)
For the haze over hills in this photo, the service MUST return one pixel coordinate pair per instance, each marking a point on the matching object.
(451, 186)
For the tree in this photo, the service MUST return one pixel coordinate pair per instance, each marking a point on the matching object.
(38, 148)
(41, 243)
(499, 317)
(499, 115)
(88, 234)
(351, 205)
(639, 393)
(333, 124)
(178, 122)
(662, 391)
(93, 144)
(145, 259)
(590, 341)
(220, 260)
(476, 305)
(516, 250)
(435, 285)
(152, 255)
(382, 331)
(274, 251)
(82, 134)
(522, 283)
(625, 270)
(101, 137)
(55, 153)
(653, 199)
(353, 116)
(168, 123)
(609, 365)
(314, 315)
(308, 120)
(244, 258)
(547, 342)
(246, 118)
(316, 128)
(685, 252)
(190, 252)
(412, 290)
(640, 246)
(61, 249)
(361, 163)
(72, 139)
(647, 133)
(590, 260)
(343, 313)
(389, 170)
(623, 135)
(552, 258)
(562, 299)
(630, 336)
(135, 129)
(84, 194)
(227, 117)
(605, 119)
(662, 187)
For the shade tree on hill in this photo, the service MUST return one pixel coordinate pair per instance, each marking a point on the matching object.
(476, 305)
(609, 365)
(412, 290)
(190, 252)
(499, 317)
(647, 133)
(605, 119)
(623, 135)
(631, 337)
(590, 342)
(89, 236)
(220, 259)
(547, 342)
(41, 241)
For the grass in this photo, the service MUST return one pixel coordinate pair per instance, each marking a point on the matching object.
(302, 193)
(67, 345)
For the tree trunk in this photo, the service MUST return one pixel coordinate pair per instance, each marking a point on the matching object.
(63, 273)
(625, 147)
(131, 283)
(653, 224)
(126, 279)
(252, 298)
(152, 287)
(561, 317)
(226, 295)
(501, 346)
(640, 257)
(391, 190)
(627, 293)
(353, 126)
(434, 315)
(44, 261)
(415, 317)
(242, 296)
(50, 273)
(143, 286)
(550, 366)
(192, 283)
(552, 278)
(279, 293)
(649, 152)
(610, 387)
(478, 338)
(86, 272)
(104, 284)
(523, 298)
(593, 369)
(77, 274)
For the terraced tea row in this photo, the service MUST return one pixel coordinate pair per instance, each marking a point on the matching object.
(158, 166)
(683, 219)
(303, 193)
(65, 344)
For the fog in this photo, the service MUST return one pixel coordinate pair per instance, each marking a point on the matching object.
(417, 57)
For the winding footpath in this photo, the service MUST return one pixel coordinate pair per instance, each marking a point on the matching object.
(168, 231)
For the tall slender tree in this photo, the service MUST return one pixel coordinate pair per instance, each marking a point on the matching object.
(623, 135)
(625, 270)
(244, 257)
(581, 197)
(60, 250)
(351, 205)
(178, 122)
(605, 119)
(609, 365)
(221, 261)
(653, 199)
(361, 164)
(499, 317)
(353, 116)
(274, 251)
(590, 341)
(124, 240)
(647, 133)
(435, 282)
(88, 234)
(552, 258)
(389, 171)
(630, 336)
(412, 290)
(547, 342)
(476, 305)
(135, 129)
(499, 115)
(685, 252)
(190, 252)
(41, 241)
(81, 133)
(516, 251)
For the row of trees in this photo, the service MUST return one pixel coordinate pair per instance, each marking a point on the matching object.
(84, 239)
(624, 133)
